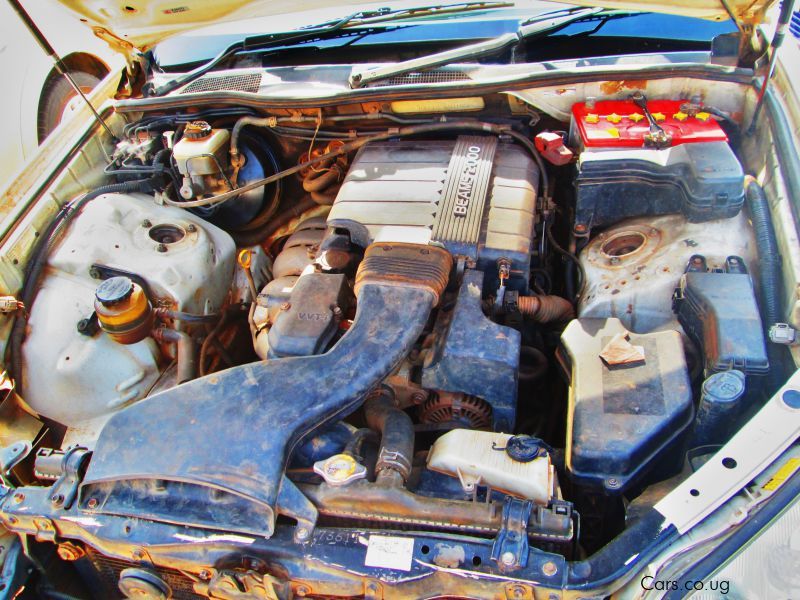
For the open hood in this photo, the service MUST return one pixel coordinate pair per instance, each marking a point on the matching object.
(139, 25)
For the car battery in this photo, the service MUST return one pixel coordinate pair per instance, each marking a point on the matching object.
(623, 124)
(622, 175)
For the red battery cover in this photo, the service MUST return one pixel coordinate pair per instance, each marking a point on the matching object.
(622, 124)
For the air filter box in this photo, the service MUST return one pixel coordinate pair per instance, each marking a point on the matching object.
(622, 419)
(719, 312)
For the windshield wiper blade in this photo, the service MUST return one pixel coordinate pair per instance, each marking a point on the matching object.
(539, 25)
(382, 15)
(322, 30)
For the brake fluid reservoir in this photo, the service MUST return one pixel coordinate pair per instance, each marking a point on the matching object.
(492, 459)
(202, 150)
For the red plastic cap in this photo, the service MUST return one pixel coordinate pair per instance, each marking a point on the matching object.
(551, 146)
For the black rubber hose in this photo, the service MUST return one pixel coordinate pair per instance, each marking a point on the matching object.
(256, 236)
(397, 435)
(47, 241)
(769, 258)
(356, 443)
(770, 276)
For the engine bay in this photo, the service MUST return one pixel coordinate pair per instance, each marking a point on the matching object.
(494, 323)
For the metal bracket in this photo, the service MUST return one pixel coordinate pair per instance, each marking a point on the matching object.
(65, 489)
(510, 548)
(230, 585)
(11, 456)
(293, 503)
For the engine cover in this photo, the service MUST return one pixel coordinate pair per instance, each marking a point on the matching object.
(474, 195)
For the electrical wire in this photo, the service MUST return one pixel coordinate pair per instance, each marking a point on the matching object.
(347, 147)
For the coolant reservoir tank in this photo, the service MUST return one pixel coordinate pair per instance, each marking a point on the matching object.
(494, 460)
(202, 150)
(123, 310)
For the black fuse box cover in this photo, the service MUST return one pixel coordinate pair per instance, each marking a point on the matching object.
(704, 181)
(719, 312)
(622, 419)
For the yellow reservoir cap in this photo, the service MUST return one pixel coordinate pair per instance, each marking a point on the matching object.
(123, 310)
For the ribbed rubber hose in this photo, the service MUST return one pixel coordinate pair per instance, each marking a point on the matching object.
(769, 258)
(769, 271)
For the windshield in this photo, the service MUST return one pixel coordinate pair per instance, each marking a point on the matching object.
(404, 30)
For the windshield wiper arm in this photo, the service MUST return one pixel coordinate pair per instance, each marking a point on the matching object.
(322, 29)
(533, 27)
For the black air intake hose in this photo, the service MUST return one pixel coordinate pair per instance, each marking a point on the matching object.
(232, 432)
(769, 258)
(769, 269)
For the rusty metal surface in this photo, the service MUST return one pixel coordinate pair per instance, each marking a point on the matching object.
(405, 265)
(363, 500)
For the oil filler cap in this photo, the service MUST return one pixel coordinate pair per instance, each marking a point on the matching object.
(113, 290)
(525, 448)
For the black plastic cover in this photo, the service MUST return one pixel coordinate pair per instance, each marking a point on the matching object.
(623, 418)
(308, 324)
(704, 181)
(720, 314)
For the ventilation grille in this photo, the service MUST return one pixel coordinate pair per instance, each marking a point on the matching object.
(249, 82)
(423, 77)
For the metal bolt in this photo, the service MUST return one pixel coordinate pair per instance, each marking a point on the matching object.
(147, 223)
(138, 553)
(419, 397)
(508, 559)
(69, 552)
(549, 568)
(302, 533)
(337, 311)
(191, 228)
(580, 228)
(614, 260)
(19, 497)
(302, 590)
(517, 591)
(94, 273)
(161, 247)
(57, 498)
(12, 520)
(205, 574)
(92, 503)
(286, 306)
(612, 482)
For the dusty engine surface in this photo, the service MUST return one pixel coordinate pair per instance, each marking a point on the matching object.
(475, 196)
(497, 340)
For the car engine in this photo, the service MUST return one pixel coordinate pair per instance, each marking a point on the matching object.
(296, 326)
